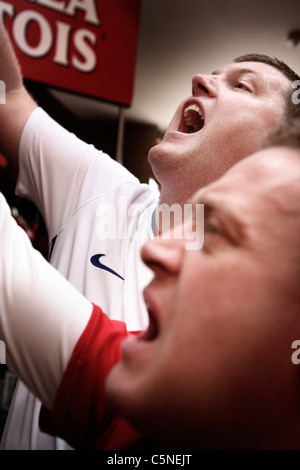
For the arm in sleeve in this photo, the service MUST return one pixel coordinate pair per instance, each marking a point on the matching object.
(41, 314)
(82, 414)
(59, 344)
(61, 173)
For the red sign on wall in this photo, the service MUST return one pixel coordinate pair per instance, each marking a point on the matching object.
(86, 46)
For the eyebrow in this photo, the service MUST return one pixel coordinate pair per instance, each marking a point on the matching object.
(239, 71)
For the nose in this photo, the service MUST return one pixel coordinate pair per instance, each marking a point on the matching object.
(203, 84)
(163, 256)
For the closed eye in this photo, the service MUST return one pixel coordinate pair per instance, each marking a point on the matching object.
(212, 226)
(214, 236)
(243, 86)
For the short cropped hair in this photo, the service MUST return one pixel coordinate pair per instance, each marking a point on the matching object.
(292, 110)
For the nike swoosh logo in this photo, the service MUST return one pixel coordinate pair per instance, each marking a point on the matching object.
(95, 260)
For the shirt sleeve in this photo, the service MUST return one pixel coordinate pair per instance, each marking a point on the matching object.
(82, 414)
(60, 173)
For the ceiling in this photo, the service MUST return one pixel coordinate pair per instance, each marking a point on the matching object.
(180, 38)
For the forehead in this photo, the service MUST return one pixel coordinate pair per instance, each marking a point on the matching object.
(271, 176)
(260, 70)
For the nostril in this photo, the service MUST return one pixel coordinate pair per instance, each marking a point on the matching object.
(203, 88)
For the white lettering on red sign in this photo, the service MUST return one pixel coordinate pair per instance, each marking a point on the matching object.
(60, 37)
(88, 6)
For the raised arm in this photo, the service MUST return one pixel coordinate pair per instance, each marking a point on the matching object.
(18, 103)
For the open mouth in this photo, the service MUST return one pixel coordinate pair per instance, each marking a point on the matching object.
(152, 331)
(192, 120)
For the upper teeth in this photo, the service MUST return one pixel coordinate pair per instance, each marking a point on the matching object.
(188, 118)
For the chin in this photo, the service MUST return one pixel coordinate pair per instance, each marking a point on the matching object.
(121, 391)
(149, 414)
(167, 147)
(132, 398)
(155, 152)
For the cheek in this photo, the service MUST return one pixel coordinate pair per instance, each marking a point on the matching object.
(213, 296)
(248, 122)
(222, 306)
(228, 141)
(267, 118)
